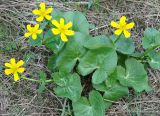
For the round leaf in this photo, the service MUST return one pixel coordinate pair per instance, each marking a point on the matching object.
(124, 45)
(151, 38)
(98, 42)
(99, 76)
(71, 53)
(93, 107)
(80, 23)
(103, 59)
(154, 59)
(135, 75)
(69, 85)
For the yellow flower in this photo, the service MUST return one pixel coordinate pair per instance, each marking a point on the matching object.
(43, 12)
(62, 29)
(122, 27)
(33, 31)
(14, 68)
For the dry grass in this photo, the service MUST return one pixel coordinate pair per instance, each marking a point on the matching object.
(22, 99)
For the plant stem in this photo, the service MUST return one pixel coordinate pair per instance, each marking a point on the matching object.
(117, 38)
(34, 80)
(110, 101)
(149, 50)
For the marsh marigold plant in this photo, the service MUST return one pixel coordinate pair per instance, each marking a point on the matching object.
(14, 68)
(62, 29)
(33, 31)
(122, 27)
(43, 12)
(112, 63)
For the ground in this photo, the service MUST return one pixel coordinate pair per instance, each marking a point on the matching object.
(21, 98)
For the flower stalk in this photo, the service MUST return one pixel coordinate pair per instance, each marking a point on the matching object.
(34, 80)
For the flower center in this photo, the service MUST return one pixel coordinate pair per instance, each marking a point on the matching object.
(62, 30)
(34, 31)
(14, 69)
(122, 26)
(43, 12)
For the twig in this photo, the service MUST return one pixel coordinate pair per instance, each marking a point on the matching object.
(28, 103)
(64, 107)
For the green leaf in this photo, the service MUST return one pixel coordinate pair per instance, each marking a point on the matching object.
(123, 45)
(69, 85)
(98, 42)
(112, 88)
(135, 75)
(93, 107)
(53, 42)
(99, 76)
(90, 3)
(56, 14)
(102, 59)
(71, 53)
(114, 93)
(151, 38)
(37, 42)
(80, 23)
(154, 59)
(42, 78)
(43, 25)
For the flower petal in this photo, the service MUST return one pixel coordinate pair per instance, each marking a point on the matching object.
(36, 27)
(62, 21)
(27, 34)
(39, 31)
(68, 25)
(49, 10)
(16, 77)
(36, 12)
(8, 71)
(21, 70)
(69, 32)
(42, 5)
(20, 63)
(126, 34)
(13, 61)
(8, 65)
(118, 32)
(55, 31)
(63, 37)
(34, 36)
(48, 17)
(114, 24)
(123, 20)
(29, 28)
(55, 23)
(130, 25)
(40, 19)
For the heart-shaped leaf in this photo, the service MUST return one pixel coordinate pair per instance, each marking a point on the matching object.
(112, 89)
(103, 59)
(151, 38)
(154, 59)
(99, 76)
(93, 107)
(98, 42)
(135, 75)
(52, 42)
(80, 23)
(37, 42)
(69, 85)
(123, 45)
(71, 53)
